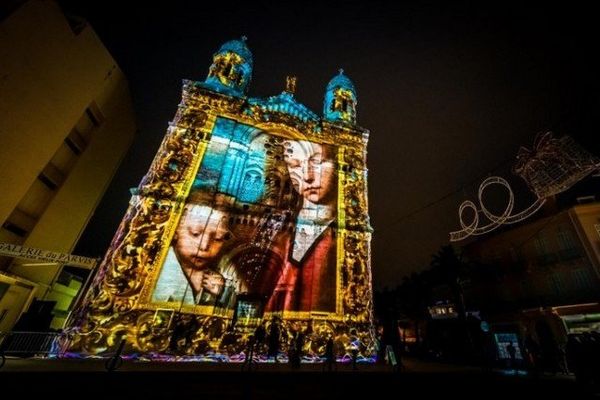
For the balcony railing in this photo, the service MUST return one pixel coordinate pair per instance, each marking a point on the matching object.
(31, 344)
(569, 254)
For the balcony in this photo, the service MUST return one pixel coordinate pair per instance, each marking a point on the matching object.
(569, 254)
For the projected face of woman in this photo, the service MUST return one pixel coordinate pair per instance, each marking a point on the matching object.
(312, 170)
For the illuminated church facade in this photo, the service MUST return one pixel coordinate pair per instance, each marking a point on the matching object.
(254, 211)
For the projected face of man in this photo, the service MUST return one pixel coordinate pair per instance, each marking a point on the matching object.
(198, 242)
(312, 170)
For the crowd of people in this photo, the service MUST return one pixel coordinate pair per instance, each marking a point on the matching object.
(272, 340)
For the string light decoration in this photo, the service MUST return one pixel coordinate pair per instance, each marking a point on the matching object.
(253, 210)
(554, 165)
(551, 167)
(494, 221)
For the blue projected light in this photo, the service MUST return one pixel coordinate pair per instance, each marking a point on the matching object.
(252, 186)
(231, 70)
(340, 99)
(234, 163)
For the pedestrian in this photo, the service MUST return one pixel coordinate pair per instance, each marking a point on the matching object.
(249, 353)
(274, 336)
(260, 334)
(329, 354)
(298, 353)
(532, 350)
(512, 353)
(391, 336)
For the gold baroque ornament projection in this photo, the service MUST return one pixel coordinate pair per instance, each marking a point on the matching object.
(253, 216)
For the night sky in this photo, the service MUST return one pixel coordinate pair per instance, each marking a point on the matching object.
(449, 93)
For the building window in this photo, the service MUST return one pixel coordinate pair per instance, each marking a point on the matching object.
(541, 245)
(543, 252)
(93, 116)
(582, 279)
(557, 284)
(502, 341)
(227, 70)
(74, 148)
(14, 228)
(3, 289)
(567, 244)
(37, 198)
(47, 181)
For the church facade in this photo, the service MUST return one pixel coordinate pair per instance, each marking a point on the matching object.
(254, 212)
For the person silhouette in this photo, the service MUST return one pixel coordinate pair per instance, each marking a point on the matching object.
(329, 354)
(512, 353)
(391, 336)
(260, 333)
(532, 349)
(250, 353)
(299, 346)
(274, 336)
(354, 348)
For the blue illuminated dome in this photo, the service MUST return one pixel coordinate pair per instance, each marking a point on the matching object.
(239, 47)
(340, 100)
(342, 81)
(231, 69)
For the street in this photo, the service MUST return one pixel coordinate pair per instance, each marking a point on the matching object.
(138, 379)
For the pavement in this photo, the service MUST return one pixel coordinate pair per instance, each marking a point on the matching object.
(144, 379)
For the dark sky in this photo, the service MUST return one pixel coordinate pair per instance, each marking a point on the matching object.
(448, 91)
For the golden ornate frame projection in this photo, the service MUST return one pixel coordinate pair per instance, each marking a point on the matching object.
(254, 211)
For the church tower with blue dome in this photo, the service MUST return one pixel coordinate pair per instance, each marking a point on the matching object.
(231, 70)
(340, 100)
(254, 210)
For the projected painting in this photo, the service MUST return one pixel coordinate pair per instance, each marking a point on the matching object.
(259, 219)
(253, 212)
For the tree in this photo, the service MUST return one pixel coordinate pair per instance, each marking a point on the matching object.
(413, 296)
(451, 269)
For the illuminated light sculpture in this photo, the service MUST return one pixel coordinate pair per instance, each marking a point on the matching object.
(252, 210)
(553, 166)
(495, 221)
